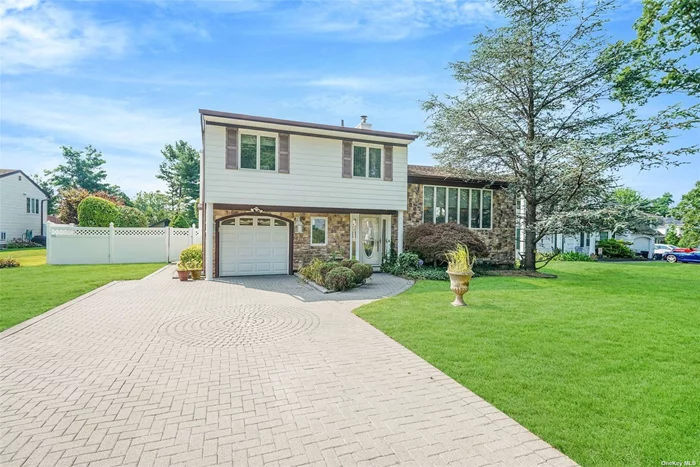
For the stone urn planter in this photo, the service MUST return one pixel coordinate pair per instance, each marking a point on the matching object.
(459, 284)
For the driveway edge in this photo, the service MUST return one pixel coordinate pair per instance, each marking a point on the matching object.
(25, 324)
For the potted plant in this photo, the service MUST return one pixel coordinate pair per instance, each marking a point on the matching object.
(460, 269)
(183, 271)
(195, 268)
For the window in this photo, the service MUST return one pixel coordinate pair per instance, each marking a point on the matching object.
(245, 221)
(279, 223)
(264, 222)
(32, 206)
(366, 162)
(3, 236)
(603, 236)
(472, 208)
(258, 151)
(29, 205)
(428, 204)
(36, 206)
(319, 230)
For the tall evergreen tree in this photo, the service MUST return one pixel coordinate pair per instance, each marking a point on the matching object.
(532, 112)
(180, 172)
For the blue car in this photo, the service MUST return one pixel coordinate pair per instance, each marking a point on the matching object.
(683, 255)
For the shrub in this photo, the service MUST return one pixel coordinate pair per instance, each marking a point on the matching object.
(432, 241)
(312, 271)
(348, 263)
(71, 199)
(429, 273)
(130, 217)
(180, 222)
(21, 243)
(192, 254)
(362, 271)
(573, 256)
(8, 263)
(325, 268)
(39, 240)
(613, 248)
(340, 278)
(406, 262)
(96, 212)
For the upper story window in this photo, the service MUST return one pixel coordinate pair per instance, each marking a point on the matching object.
(366, 162)
(32, 206)
(258, 152)
(471, 207)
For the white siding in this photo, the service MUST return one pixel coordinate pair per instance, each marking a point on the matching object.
(14, 219)
(315, 178)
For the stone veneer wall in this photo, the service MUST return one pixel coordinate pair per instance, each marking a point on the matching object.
(500, 238)
(338, 235)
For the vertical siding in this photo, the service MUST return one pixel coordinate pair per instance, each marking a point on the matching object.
(315, 178)
(14, 219)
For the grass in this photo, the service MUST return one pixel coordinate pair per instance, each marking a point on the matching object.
(603, 362)
(36, 287)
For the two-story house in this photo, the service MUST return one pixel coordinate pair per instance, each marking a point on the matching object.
(277, 193)
(22, 206)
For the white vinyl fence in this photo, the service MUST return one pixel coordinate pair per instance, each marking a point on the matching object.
(69, 244)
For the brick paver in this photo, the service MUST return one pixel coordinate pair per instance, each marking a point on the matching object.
(255, 371)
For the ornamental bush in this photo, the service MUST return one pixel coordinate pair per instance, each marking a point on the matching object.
(573, 256)
(71, 199)
(96, 212)
(362, 271)
(312, 271)
(130, 217)
(192, 254)
(21, 243)
(8, 263)
(432, 241)
(348, 263)
(613, 248)
(340, 278)
(325, 268)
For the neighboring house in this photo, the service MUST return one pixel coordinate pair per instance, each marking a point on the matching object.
(22, 206)
(641, 243)
(664, 224)
(278, 193)
(53, 219)
(161, 223)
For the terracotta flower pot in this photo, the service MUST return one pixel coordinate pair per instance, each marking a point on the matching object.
(459, 284)
(183, 275)
(196, 274)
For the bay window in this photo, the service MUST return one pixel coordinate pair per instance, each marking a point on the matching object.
(470, 207)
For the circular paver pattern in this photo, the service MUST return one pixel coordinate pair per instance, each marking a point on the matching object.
(239, 326)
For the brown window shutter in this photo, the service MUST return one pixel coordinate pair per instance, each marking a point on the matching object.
(347, 159)
(388, 163)
(283, 154)
(231, 148)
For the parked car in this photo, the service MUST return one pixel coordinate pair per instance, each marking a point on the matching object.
(683, 255)
(661, 248)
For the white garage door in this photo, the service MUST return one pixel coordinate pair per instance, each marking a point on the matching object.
(253, 245)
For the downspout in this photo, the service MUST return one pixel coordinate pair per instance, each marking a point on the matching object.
(41, 214)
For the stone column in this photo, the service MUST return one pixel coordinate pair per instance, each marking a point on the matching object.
(399, 233)
(209, 227)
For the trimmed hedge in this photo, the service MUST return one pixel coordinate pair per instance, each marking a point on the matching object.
(130, 217)
(362, 271)
(340, 278)
(348, 263)
(432, 241)
(96, 212)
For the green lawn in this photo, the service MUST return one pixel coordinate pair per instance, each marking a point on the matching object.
(603, 362)
(36, 287)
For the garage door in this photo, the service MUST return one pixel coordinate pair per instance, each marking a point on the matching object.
(253, 245)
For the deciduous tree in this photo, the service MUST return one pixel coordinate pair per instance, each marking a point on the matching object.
(535, 111)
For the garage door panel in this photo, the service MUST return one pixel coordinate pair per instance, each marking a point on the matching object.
(261, 248)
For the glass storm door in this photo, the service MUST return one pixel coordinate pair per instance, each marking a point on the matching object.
(370, 240)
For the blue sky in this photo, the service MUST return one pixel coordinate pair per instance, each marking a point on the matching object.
(128, 77)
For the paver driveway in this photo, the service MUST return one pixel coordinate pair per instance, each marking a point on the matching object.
(242, 372)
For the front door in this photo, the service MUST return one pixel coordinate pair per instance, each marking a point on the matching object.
(370, 240)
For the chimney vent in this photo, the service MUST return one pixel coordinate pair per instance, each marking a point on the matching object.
(363, 125)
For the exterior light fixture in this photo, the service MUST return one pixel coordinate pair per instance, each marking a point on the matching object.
(298, 226)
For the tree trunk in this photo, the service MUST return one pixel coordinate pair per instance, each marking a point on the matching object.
(529, 259)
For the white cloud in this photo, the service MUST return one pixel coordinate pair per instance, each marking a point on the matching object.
(42, 36)
(379, 83)
(379, 20)
(129, 134)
